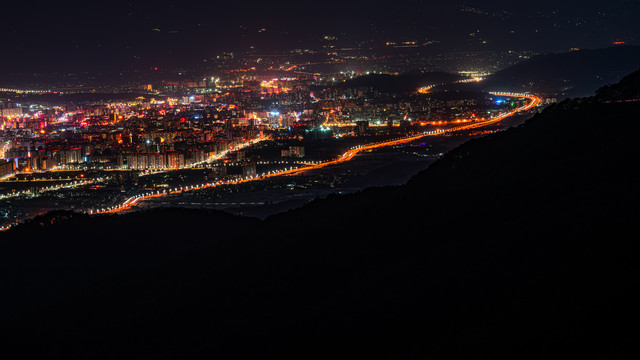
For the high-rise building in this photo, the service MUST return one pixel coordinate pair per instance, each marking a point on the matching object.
(293, 151)
(70, 156)
(137, 161)
(8, 109)
(156, 161)
(218, 172)
(175, 160)
(249, 170)
(362, 127)
(7, 168)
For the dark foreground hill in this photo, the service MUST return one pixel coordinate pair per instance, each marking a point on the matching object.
(521, 244)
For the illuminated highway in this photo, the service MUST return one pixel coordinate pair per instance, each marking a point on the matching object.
(70, 185)
(347, 156)
(133, 201)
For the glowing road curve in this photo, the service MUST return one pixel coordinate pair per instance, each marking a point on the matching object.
(133, 201)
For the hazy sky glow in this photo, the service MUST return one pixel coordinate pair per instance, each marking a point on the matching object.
(53, 35)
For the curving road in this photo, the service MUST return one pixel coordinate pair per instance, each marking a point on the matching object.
(132, 201)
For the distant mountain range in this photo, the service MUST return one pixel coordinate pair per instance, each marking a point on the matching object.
(522, 244)
(570, 74)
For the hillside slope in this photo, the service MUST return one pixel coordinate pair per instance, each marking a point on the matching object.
(570, 74)
(399, 84)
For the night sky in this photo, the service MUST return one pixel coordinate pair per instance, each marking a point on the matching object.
(62, 36)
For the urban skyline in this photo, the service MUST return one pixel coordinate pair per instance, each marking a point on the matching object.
(328, 180)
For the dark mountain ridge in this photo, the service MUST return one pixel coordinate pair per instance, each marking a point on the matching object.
(399, 84)
(520, 244)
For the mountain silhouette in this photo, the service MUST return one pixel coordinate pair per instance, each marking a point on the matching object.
(568, 74)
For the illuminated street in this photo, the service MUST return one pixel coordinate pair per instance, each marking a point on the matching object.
(133, 201)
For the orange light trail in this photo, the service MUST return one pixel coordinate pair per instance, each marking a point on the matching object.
(133, 201)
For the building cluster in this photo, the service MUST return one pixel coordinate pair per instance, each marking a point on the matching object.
(164, 160)
(191, 122)
(9, 109)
